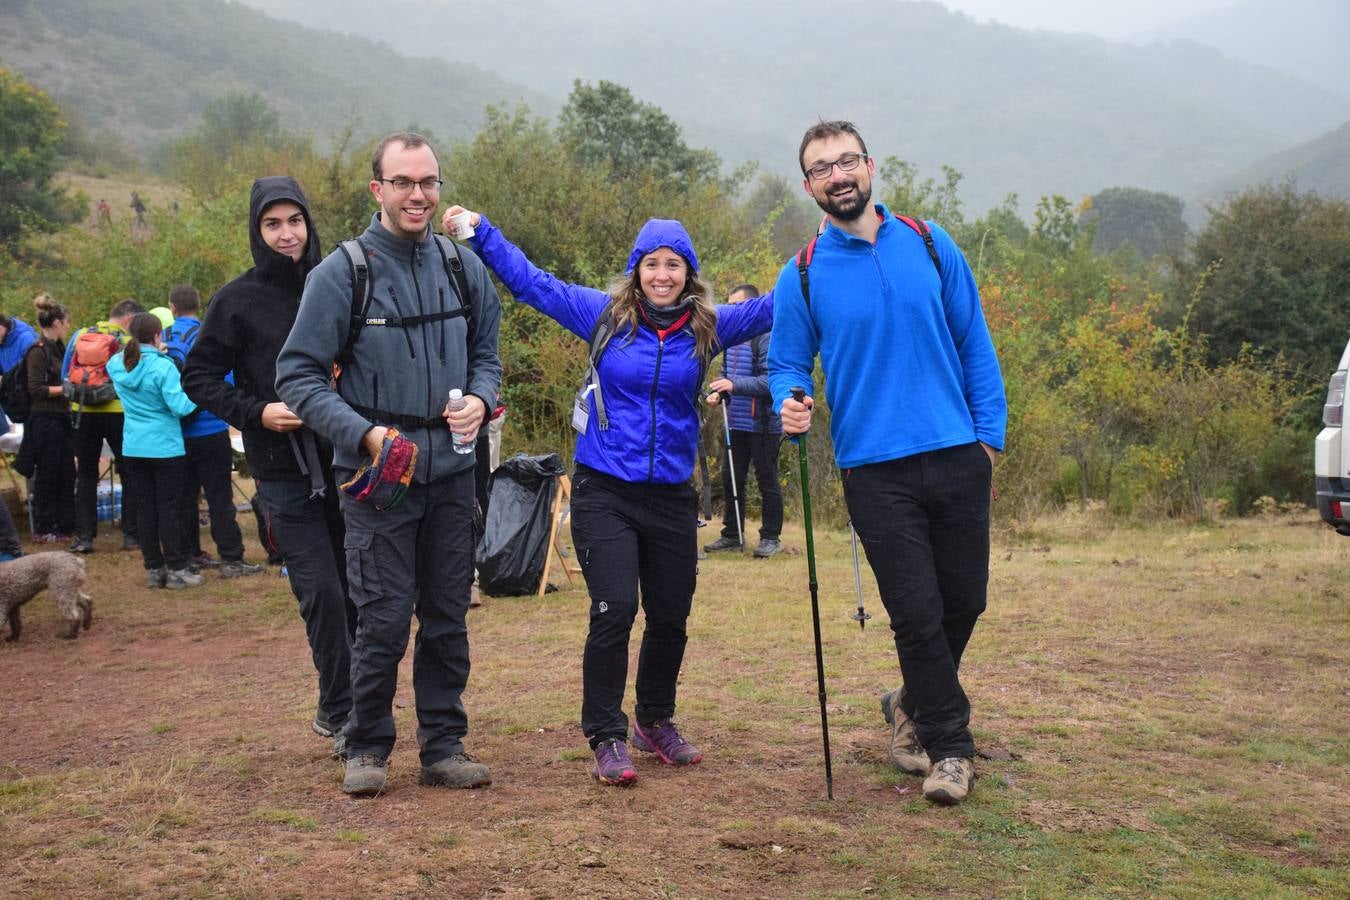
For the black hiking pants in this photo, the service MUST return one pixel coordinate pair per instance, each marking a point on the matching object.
(158, 483)
(48, 439)
(413, 560)
(924, 523)
(209, 464)
(308, 532)
(93, 430)
(633, 538)
(762, 450)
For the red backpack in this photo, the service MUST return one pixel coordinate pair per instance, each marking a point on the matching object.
(87, 383)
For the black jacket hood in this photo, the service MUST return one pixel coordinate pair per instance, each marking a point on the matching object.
(271, 265)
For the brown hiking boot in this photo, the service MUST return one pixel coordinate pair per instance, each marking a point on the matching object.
(906, 751)
(950, 780)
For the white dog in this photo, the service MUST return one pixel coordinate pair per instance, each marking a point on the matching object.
(61, 573)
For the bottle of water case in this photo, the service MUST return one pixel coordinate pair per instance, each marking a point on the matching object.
(457, 401)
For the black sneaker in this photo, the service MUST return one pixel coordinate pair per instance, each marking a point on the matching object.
(767, 547)
(130, 543)
(722, 543)
(81, 545)
(237, 568)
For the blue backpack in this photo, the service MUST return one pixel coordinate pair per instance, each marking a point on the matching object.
(179, 342)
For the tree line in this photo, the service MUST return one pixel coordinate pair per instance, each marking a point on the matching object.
(1149, 370)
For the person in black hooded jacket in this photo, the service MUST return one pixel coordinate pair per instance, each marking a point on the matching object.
(246, 323)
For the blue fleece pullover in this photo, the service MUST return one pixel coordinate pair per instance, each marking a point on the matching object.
(648, 383)
(908, 361)
(153, 402)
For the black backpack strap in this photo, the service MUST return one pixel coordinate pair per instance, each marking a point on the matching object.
(454, 267)
(399, 420)
(601, 332)
(361, 295)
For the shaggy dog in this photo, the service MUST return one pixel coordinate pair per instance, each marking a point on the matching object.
(61, 573)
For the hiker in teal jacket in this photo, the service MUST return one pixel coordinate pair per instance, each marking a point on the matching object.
(153, 403)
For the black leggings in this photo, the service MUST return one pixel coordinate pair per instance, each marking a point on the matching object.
(632, 537)
(159, 489)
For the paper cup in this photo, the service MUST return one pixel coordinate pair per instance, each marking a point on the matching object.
(462, 229)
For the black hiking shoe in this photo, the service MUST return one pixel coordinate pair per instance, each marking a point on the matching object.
(722, 543)
(458, 771)
(365, 775)
(767, 547)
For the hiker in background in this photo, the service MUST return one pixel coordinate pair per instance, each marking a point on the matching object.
(16, 336)
(98, 419)
(917, 413)
(138, 207)
(430, 327)
(634, 515)
(104, 213)
(154, 402)
(292, 467)
(755, 433)
(48, 448)
(210, 460)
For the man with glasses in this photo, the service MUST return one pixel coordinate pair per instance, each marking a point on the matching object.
(917, 414)
(424, 324)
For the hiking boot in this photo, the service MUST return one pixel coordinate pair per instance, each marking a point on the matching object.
(458, 771)
(81, 545)
(324, 728)
(663, 739)
(177, 579)
(767, 547)
(906, 751)
(612, 763)
(205, 560)
(366, 775)
(237, 568)
(722, 543)
(155, 578)
(339, 746)
(949, 780)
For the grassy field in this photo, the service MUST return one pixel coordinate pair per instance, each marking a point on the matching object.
(1160, 711)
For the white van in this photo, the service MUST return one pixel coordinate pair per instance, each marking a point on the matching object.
(1332, 456)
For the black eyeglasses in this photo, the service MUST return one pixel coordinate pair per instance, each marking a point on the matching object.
(846, 163)
(405, 185)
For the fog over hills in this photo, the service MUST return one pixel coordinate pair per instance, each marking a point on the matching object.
(1014, 110)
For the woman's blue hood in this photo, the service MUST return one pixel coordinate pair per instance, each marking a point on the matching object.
(658, 233)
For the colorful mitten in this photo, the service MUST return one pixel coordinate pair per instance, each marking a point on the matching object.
(384, 480)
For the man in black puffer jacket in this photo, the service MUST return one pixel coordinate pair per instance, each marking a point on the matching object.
(246, 323)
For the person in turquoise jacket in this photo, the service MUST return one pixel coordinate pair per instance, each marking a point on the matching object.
(153, 403)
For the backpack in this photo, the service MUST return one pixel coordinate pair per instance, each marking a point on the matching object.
(601, 333)
(179, 343)
(804, 255)
(14, 397)
(87, 383)
(362, 293)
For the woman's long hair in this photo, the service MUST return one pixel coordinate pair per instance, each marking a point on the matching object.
(144, 328)
(626, 292)
(49, 312)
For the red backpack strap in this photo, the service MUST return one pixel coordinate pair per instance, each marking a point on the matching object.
(922, 230)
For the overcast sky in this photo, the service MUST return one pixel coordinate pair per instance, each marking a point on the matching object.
(1113, 19)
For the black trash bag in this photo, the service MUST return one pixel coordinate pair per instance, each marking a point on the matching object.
(514, 546)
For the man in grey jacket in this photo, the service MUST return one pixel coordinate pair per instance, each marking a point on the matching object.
(417, 340)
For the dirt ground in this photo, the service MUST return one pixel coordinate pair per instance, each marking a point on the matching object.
(167, 750)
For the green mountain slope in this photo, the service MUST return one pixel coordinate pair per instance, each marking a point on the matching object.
(145, 69)
(1321, 165)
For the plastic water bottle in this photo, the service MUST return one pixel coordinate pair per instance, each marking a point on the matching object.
(461, 444)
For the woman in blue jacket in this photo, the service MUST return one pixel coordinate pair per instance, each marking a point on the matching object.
(634, 514)
(153, 402)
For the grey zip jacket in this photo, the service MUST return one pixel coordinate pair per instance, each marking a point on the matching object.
(404, 371)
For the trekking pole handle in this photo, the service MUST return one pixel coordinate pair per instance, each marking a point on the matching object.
(799, 394)
(725, 395)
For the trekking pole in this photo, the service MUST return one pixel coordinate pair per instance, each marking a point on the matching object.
(862, 615)
(799, 394)
(731, 467)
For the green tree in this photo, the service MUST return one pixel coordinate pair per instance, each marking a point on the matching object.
(29, 142)
(1271, 269)
(1148, 221)
(905, 194)
(778, 204)
(606, 124)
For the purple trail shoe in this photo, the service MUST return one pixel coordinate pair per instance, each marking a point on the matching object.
(663, 739)
(612, 763)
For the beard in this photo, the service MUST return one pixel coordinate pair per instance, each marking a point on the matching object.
(848, 209)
